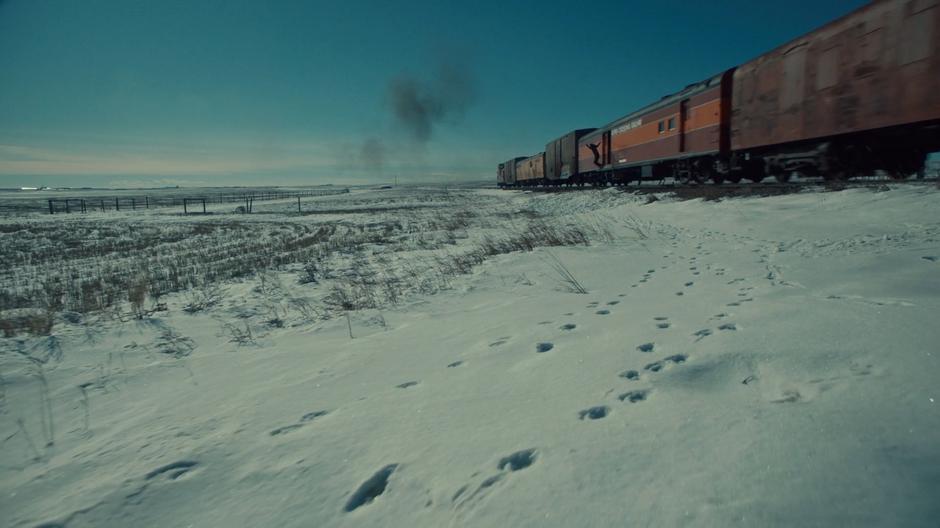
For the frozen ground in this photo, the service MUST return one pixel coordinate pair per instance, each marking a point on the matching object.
(749, 362)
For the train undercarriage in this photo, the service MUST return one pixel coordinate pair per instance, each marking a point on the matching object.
(899, 153)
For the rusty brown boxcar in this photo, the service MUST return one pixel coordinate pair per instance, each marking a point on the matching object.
(684, 134)
(531, 170)
(861, 93)
(561, 157)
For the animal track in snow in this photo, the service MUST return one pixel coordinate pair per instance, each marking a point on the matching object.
(656, 366)
(455, 364)
(407, 384)
(305, 419)
(680, 294)
(173, 470)
(728, 326)
(544, 347)
(662, 325)
(788, 396)
(568, 326)
(631, 375)
(370, 489)
(514, 462)
(634, 396)
(645, 347)
(594, 413)
(689, 283)
(612, 303)
(603, 312)
(733, 304)
(518, 460)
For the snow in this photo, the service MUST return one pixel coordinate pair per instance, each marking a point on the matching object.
(784, 358)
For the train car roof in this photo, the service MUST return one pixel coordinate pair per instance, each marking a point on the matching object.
(665, 100)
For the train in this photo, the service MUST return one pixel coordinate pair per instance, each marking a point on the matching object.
(858, 95)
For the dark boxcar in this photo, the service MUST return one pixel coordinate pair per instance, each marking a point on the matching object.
(531, 170)
(506, 173)
(877, 68)
(561, 157)
(692, 123)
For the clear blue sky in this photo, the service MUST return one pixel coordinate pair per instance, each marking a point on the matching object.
(221, 92)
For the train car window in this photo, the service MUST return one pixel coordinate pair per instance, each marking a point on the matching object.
(672, 123)
(662, 127)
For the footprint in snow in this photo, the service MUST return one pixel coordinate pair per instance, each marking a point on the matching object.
(568, 326)
(594, 413)
(645, 347)
(455, 364)
(631, 375)
(675, 359)
(543, 347)
(702, 334)
(602, 312)
(371, 488)
(689, 283)
(662, 326)
(305, 419)
(728, 326)
(931, 258)
(634, 396)
(680, 294)
(407, 384)
(173, 470)
(509, 464)
(613, 303)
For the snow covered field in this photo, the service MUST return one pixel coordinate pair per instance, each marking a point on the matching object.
(748, 362)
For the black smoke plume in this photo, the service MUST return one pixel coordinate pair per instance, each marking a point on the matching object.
(420, 105)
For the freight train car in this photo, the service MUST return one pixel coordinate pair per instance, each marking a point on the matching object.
(531, 170)
(859, 94)
(561, 158)
(506, 172)
(683, 135)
